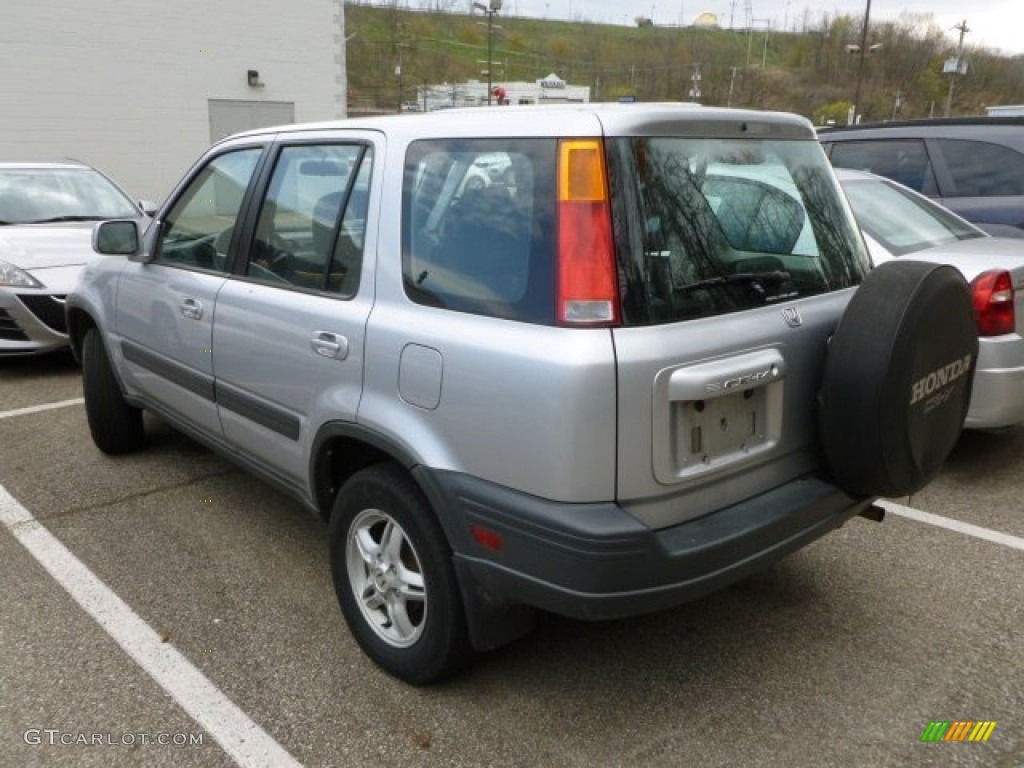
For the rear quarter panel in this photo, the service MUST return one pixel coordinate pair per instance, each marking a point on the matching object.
(526, 406)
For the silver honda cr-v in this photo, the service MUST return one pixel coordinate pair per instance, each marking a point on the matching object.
(644, 361)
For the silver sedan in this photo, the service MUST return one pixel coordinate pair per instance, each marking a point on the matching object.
(47, 214)
(898, 222)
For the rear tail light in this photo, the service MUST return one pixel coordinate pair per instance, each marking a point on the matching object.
(587, 283)
(993, 299)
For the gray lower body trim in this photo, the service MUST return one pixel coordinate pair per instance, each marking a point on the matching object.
(596, 561)
(188, 378)
(272, 417)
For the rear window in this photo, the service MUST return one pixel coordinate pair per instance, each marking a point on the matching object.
(709, 226)
(478, 226)
(901, 221)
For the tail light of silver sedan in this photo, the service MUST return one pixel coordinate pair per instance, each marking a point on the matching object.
(993, 297)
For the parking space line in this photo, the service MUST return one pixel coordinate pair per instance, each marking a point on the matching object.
(40, 408)
(244, 740)
(1015, 542)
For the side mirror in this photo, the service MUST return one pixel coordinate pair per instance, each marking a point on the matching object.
(116, 238)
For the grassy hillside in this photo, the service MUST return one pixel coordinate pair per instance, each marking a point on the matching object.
(809, 72)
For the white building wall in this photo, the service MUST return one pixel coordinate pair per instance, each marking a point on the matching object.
(124, 84)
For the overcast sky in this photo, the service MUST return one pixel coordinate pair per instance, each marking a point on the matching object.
(993, 23)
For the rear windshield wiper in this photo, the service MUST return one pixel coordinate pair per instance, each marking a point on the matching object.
(739, 278)
(55, 219)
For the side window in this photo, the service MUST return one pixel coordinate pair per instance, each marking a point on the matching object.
(478, 228)
(299, 241)
(198, 229)
(981, 169)
(904, 161)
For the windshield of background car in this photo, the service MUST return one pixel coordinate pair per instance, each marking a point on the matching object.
(37, 195)
(709, 226)
(900, 220)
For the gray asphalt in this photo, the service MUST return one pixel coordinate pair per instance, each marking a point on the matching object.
(839, 655)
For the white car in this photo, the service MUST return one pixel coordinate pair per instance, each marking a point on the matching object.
(898, 222)
(497, 166)
(47, 214)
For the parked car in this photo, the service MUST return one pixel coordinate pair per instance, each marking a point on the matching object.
(897, 222)
(607, 389)
(974, 165)
(497, 165)
(47, 214)
(475, 178)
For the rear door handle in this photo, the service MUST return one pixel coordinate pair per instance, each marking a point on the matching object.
(191, 308)
(329, 344)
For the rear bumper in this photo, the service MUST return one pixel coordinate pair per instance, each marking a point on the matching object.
(595, 561)
(997, 396)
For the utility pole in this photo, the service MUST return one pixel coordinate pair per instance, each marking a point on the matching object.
(860, 66)
(399, 41)
(955, 66)
(767, 23)
(401, 83)
(748, 11)
(732, 82)
(764, 52)
(490, 9)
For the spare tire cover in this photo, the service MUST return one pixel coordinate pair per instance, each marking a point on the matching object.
(897, 380)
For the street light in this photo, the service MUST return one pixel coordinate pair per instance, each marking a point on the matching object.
(490, 9)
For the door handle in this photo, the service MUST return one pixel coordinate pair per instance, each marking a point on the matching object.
(191, 308)
(329, 344)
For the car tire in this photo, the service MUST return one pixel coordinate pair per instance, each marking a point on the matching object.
(394, 579)
(116, 426)
(897, 379)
